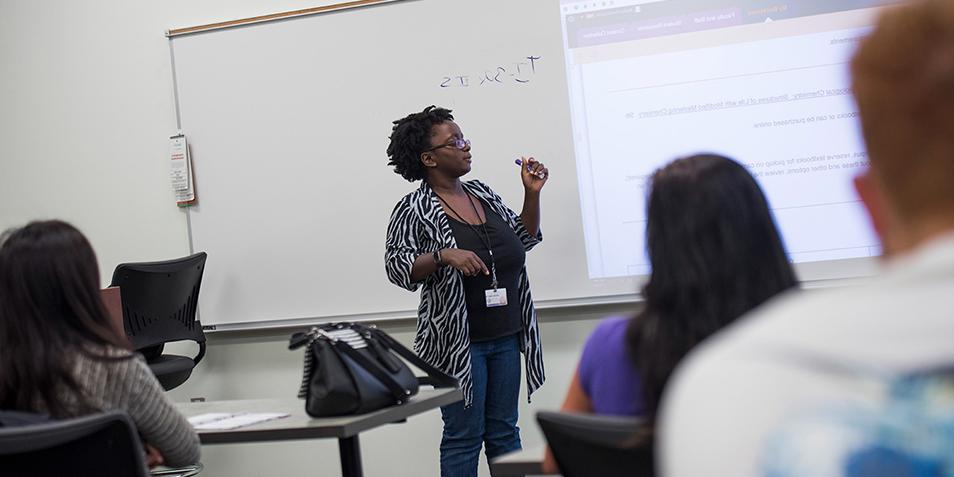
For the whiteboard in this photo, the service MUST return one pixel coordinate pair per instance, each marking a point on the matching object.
(288, 122)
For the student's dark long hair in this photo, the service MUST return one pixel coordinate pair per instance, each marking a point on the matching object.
(716, 254)
(50, 311)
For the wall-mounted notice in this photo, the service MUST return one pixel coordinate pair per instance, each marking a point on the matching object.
(180, 171)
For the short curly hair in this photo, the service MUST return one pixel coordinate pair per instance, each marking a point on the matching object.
(410, 136)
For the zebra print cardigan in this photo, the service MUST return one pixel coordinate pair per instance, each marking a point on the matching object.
(419, 225)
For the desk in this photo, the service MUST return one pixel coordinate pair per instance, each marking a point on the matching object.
(519, 463)
(299, 425)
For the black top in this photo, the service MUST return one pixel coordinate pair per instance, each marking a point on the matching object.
(487, 323)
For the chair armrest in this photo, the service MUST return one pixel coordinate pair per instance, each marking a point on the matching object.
(201, 354)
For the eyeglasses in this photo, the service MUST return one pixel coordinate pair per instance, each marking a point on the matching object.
(457, 143)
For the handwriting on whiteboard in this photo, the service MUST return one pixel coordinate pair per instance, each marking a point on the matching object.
(518, 72)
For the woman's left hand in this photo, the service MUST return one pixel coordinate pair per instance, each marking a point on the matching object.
(533, 173)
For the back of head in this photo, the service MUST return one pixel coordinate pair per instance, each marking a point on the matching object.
(903, 81)
(50, 309)
(716, 254)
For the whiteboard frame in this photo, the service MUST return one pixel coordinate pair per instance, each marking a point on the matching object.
(174, 32)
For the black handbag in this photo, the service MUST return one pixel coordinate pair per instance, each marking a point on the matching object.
(351, 368)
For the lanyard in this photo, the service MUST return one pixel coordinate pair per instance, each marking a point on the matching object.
(484, 239)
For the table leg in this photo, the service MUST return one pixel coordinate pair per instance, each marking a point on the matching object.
(350, 451)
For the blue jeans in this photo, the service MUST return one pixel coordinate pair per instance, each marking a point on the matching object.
(492, 419)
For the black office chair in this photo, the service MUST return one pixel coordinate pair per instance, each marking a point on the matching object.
(159, 302)
(589, 445)
(94, 445)
(97, 445)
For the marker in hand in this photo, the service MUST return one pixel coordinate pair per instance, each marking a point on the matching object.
(540, 174)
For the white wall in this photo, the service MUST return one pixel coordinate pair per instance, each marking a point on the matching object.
(86, 95)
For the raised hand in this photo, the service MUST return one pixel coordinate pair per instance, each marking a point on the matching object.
(533, 174)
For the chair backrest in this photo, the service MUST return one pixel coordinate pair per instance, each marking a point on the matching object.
(607, 446)
(159, 300)
(95, 445)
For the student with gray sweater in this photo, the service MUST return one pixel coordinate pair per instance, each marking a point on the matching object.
(59, 351)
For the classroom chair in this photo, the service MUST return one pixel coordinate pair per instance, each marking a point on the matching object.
(105, 444)
(588, 444)
(159, 301)
(98, 444)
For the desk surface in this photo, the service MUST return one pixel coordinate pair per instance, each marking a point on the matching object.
(520, 463)
(299, 425)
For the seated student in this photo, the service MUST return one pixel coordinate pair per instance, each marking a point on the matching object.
(850, 381)
(59, 351)
(715, 254)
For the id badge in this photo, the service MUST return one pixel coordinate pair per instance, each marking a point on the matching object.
(496, 297)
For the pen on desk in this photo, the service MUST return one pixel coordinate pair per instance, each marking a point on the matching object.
(539, 174)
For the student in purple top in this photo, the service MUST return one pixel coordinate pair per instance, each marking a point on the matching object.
(715, 253)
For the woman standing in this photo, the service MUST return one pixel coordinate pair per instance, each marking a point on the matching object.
(467, 249)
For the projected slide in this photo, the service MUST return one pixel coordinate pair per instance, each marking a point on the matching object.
(765, 83)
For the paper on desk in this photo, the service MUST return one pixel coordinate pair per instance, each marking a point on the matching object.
(224, 420)
(208, 417)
